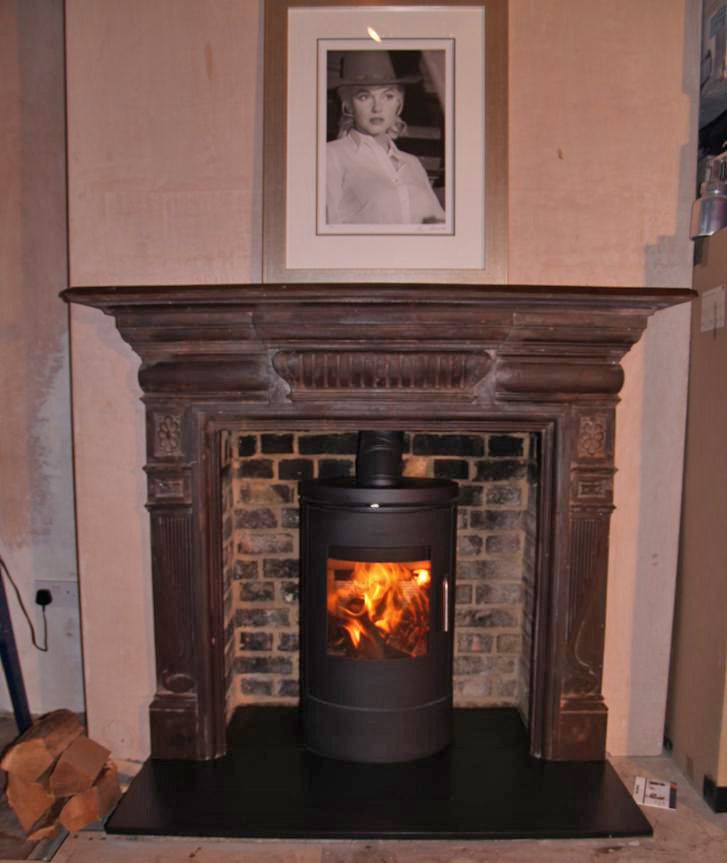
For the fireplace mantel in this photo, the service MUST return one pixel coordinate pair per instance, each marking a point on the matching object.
(540, 359)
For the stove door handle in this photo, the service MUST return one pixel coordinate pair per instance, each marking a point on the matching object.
(445, 603)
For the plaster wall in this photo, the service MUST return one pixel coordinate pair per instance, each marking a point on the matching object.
(603, 120)
(165, 158)
(37, 539)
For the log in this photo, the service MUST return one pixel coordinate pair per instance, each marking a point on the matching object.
(44, 832)
(36, 750)
(93, 804)
(77, 768)
(48, 825)
(29, 800)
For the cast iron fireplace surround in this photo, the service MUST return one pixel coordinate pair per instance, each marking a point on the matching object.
(346, 357)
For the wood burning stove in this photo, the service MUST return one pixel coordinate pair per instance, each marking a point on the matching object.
(378, 568)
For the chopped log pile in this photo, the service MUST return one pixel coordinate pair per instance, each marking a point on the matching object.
(58, 777)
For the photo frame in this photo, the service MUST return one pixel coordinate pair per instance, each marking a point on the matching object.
(385, 154)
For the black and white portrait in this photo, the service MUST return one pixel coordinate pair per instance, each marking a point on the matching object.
(384, 160)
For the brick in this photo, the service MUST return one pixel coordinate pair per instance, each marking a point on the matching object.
(245, 569)
(286, 568)
(496, 519)
(507, 643)
(255, 519)
(448, 444)
(276, 443)
(246, 445)
(505, 445)
(511, 570)
(501, 664)
(291, 592)
(295, 468)
(474, 642)
(265, 543)
(257, 591)
(229, 632)
(504, 495)
(328, 444)
(263, 665)
(330, 468)
(493, 617)
(472, 569)
(265, 492)
(288, 688)
(462, 518)
(416, 466)
(288, 641)
(470, 495)
(463, 594)
(256, 641)
(502, 593)
(255, 467)
(451, 469)
(249, 686)
(507, 688)
(494, 471)
(473, 689)
(468, 665)
(469, 545)
(502, 543)
(290, 517)
(275, 617)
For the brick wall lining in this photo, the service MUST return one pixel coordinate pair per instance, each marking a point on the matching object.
(494, 570)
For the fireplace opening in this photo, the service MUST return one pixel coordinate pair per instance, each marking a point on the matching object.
(492, 603)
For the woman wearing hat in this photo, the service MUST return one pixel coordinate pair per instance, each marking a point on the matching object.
(369, 180)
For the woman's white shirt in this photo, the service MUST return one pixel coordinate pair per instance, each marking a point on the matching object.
(369, 185)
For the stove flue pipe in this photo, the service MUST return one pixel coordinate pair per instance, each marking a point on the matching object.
(378, 464)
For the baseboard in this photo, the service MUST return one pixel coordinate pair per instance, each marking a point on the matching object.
(715, 795)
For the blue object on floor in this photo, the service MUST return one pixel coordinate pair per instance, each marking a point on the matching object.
(11, 665)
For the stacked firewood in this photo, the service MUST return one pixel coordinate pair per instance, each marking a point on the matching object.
(57, 776)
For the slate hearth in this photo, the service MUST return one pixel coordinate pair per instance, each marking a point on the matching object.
(485, 786)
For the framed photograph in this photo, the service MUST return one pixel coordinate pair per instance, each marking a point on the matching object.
(385, 141)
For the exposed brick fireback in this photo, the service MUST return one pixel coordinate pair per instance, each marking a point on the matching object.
(261, 548)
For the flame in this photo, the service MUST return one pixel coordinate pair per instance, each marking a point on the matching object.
(378, 610)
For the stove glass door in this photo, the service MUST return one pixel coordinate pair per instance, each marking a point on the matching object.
(377, 609)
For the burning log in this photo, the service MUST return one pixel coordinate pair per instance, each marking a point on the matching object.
(378, 610)
(58, 777)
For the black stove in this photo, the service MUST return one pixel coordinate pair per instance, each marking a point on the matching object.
(377, 619)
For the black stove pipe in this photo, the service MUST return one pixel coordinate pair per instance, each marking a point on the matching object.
(378, 464)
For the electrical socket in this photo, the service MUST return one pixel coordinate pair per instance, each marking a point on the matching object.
(64, 593)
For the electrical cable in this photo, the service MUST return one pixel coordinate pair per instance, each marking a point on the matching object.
(44, 648)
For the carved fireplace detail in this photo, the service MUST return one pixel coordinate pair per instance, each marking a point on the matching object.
(345, 357)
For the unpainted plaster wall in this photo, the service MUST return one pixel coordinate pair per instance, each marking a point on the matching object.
(37, 538)
(602, 164)
(165, 116)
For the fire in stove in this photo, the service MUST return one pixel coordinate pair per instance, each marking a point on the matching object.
(378, 610)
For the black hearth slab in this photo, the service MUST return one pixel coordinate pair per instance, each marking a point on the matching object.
(485, 786)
